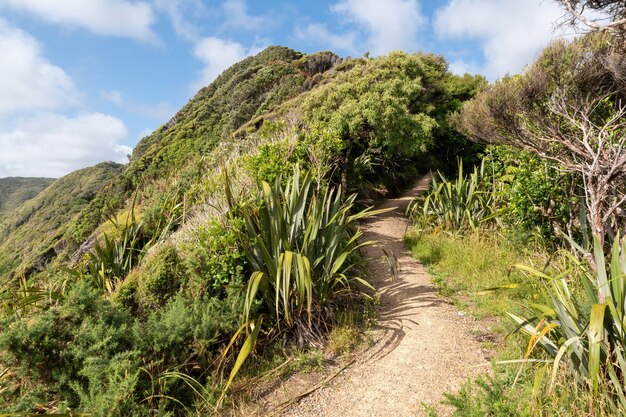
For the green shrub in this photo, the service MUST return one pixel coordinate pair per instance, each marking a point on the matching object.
(55, 352)
(213, 257)
(160, 277)
(300, 244)
(586, 333)
(537, 198)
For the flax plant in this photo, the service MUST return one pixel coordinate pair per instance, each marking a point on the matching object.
(588, 337)
(456, 205)
(301, 243)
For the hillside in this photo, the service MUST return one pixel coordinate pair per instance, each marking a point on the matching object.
(331, 106)
(48, 225)
(149, 263)
(14, 191)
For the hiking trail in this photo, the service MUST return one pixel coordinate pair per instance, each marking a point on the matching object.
(424, 347)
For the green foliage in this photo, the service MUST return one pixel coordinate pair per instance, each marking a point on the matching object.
(51, 351)
(539, 201)
(39, 231)
(87, 354)
(271, 161)
(160, 277)
(111, 260)
(487, 396)
(586, 334)
(24, 300)
(213, 257)
(380, 108)
(299, 244)
(455, 205)
(566, 108)
(14, 191)
(216, 111)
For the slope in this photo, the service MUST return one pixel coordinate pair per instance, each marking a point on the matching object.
(14, 191)
(47, 226)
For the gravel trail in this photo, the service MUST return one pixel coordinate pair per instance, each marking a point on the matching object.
(425, 348)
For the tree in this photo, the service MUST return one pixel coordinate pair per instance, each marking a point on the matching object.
(569, 107)
(610, 16)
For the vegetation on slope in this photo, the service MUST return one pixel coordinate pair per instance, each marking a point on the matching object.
(14, 191)
(49, 225)
(142, 318)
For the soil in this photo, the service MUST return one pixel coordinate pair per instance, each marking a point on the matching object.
(424, 347)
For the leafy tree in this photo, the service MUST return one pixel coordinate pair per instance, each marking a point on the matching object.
(568, 108)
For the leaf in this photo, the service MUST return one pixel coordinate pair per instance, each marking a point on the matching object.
(244, 352)
(596, 330)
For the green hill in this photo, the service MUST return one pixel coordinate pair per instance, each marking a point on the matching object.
(44, 227)
(14, 191)
(377, 120)
(147, 261)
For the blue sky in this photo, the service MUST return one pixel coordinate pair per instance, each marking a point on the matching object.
(82, 80)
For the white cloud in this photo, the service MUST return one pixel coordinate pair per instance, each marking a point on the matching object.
(217, 55)
(53, 145)
(180, 13)
(319, 33)
(390, 24)
(27, 80)
(114, 96)
(132, 19)
(236, 14)
(510, 32)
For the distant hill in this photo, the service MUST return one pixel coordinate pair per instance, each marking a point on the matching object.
(39, 230)
(14, 191)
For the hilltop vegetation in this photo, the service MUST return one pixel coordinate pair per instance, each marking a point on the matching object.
(14, 191)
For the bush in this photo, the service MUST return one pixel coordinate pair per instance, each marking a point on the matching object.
(213, 257)
(160, 277)
(55, 354)
(586, 333)
(456, 205)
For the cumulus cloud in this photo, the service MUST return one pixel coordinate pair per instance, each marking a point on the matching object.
(390, 24)
(34, 140)
(217, 55)
(510, 32)
(319, 33)
(27, 79)
(132, 19)
(53, 145)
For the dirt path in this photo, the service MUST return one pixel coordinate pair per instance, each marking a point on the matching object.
(425, 348)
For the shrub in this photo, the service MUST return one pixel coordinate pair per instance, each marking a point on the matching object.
(71, 351)
(160, 277)
(213, 257)
(456, 205)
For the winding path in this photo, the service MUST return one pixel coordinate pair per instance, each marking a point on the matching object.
(425, 350)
